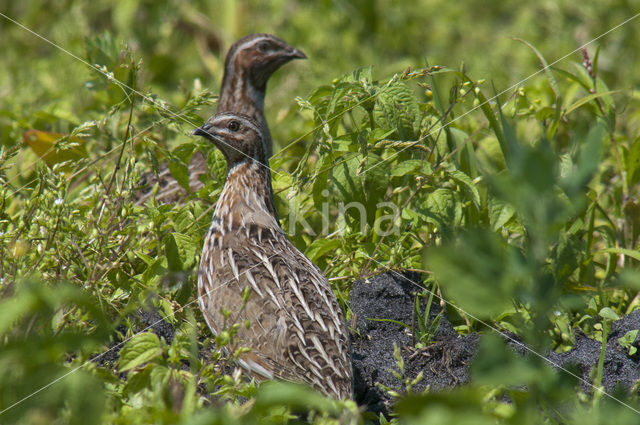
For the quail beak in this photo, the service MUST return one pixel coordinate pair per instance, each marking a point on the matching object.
(210, 135)
(202, 131)
(297, 54)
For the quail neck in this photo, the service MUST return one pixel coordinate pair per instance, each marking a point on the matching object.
(247, 192)
(249, 64)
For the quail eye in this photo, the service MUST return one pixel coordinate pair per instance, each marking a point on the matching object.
(233, 126)
(263, 46)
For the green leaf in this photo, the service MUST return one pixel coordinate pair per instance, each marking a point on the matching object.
(443, 209)
(217, 164)
(628, 338)
(320, 183)
(623, 251)
(397, 108)
(319, 247)
(362, 181)
(183, 219)
(397, 322)
(499, 213)
(180, 251)
(180, 172)
(632, 163)
(587, 99)
(608, 313)
(137, 382)
(298, 397)
(140, 349)
(406, 167)
(467, 185)
(343, 176)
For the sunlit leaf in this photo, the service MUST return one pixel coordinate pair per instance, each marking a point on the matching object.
(140, 349)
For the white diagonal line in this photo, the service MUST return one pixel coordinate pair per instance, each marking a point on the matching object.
(123, 85)
(505, 90)
(505, 335)
(124, 341)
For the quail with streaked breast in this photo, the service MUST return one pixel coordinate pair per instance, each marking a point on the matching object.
(249, 64)
(297, 330)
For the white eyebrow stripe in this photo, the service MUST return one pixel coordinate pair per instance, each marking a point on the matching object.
(221, 118)
(240, 117)
(250, 43)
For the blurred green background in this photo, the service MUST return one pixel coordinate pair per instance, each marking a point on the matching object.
(180, 41)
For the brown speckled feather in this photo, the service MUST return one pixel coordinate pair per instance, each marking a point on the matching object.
(297, 330)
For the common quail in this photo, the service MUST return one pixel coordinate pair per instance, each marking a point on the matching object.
(248, 65)
(296, 327)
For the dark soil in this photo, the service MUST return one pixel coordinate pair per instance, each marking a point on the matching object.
(444, 361)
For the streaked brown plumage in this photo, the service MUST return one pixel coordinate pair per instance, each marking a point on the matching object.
(297, 330)
(249, 64)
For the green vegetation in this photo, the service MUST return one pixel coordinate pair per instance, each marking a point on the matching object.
(519, 196)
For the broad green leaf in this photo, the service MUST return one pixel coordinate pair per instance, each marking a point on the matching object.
(297, 397)
(467, 185)
(217, 164)
(155, 269)
(137, 381)
(362, 182)
(319, 247)
(499, 213)
(444, 209)
(146, 258)
(182, 155)
(404, 168)
(375, 172)
(629, 337)
(180, 251)
(140, 349)
(180, 172)
(397, 108)
(183, 219)
(608, 313)
(413, 216)
(343, 176)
